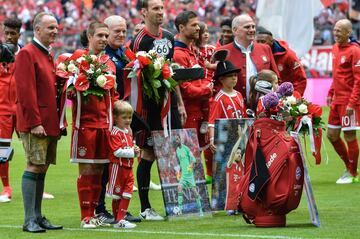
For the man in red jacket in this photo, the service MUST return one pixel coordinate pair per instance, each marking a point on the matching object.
(246, 54)
(287, 62)
(344, 100)
(196, 94)
(197, 91)
(7, 102)
(37, 117)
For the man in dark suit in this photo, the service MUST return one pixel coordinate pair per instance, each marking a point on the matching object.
(38, 122)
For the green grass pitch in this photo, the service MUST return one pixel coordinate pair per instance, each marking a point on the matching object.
(338, 205)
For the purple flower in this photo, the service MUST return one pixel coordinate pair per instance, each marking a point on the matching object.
(285, 89)
(270, 100)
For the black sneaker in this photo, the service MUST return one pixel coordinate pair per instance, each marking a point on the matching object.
(105, 218)
(131, 218)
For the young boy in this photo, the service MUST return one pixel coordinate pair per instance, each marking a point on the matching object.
(228, 103)
(123, 151)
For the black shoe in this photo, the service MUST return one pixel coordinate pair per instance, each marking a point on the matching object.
(44, 223)
(33, 227)
(131, 218)
(106, 217)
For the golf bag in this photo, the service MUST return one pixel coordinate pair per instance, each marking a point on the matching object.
(273, 175)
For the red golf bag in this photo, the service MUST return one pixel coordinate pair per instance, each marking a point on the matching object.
(274, 175)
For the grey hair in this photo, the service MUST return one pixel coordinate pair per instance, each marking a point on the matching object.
(38, 18)
(111, 20)
(236, 21)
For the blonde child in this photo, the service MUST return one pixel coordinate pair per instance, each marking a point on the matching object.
(123, 151)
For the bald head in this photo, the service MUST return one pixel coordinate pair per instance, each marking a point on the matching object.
(345, 24)
(117, 27)
(342, 31)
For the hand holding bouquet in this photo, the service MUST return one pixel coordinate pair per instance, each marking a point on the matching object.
(155, 72)
(87, 73)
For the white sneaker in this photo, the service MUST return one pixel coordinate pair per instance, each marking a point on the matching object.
(151, 215)
(48, 196)
(88, 223)
(347, 178)
(204, 127)
(135, 188)
(154, 186)
(4, 198)
(99, 222)
(124, 224)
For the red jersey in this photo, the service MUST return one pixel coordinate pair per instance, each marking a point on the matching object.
(7, 89)
(289, 66)
(95, 113)
(121, 148)
(227, 106)
(260, 106)
(345, 88)
(205, 54)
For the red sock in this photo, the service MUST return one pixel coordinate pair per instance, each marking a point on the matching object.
(123, 206)
(96, 190)
(208, 161)
(342, 151)
(84, 183)
(4, 173)
(115, 207)
(353, 156)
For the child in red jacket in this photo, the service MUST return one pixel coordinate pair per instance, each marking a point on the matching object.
(122, 153)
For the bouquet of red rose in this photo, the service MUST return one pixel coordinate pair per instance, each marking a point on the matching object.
(150, 74)
(89, 74)
(155, 73)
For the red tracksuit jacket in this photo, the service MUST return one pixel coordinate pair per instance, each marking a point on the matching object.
(345, 88)
(289, 66)
(193, 91)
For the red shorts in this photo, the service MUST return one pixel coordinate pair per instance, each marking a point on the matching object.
(121, 182)
(195, 123)
(90, 145)
(338, 119)
(7, 127)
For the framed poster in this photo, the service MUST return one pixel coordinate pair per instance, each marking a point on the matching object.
(181, 173)
(231, 136)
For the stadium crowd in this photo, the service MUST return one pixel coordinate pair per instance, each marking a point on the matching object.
(74, 16)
